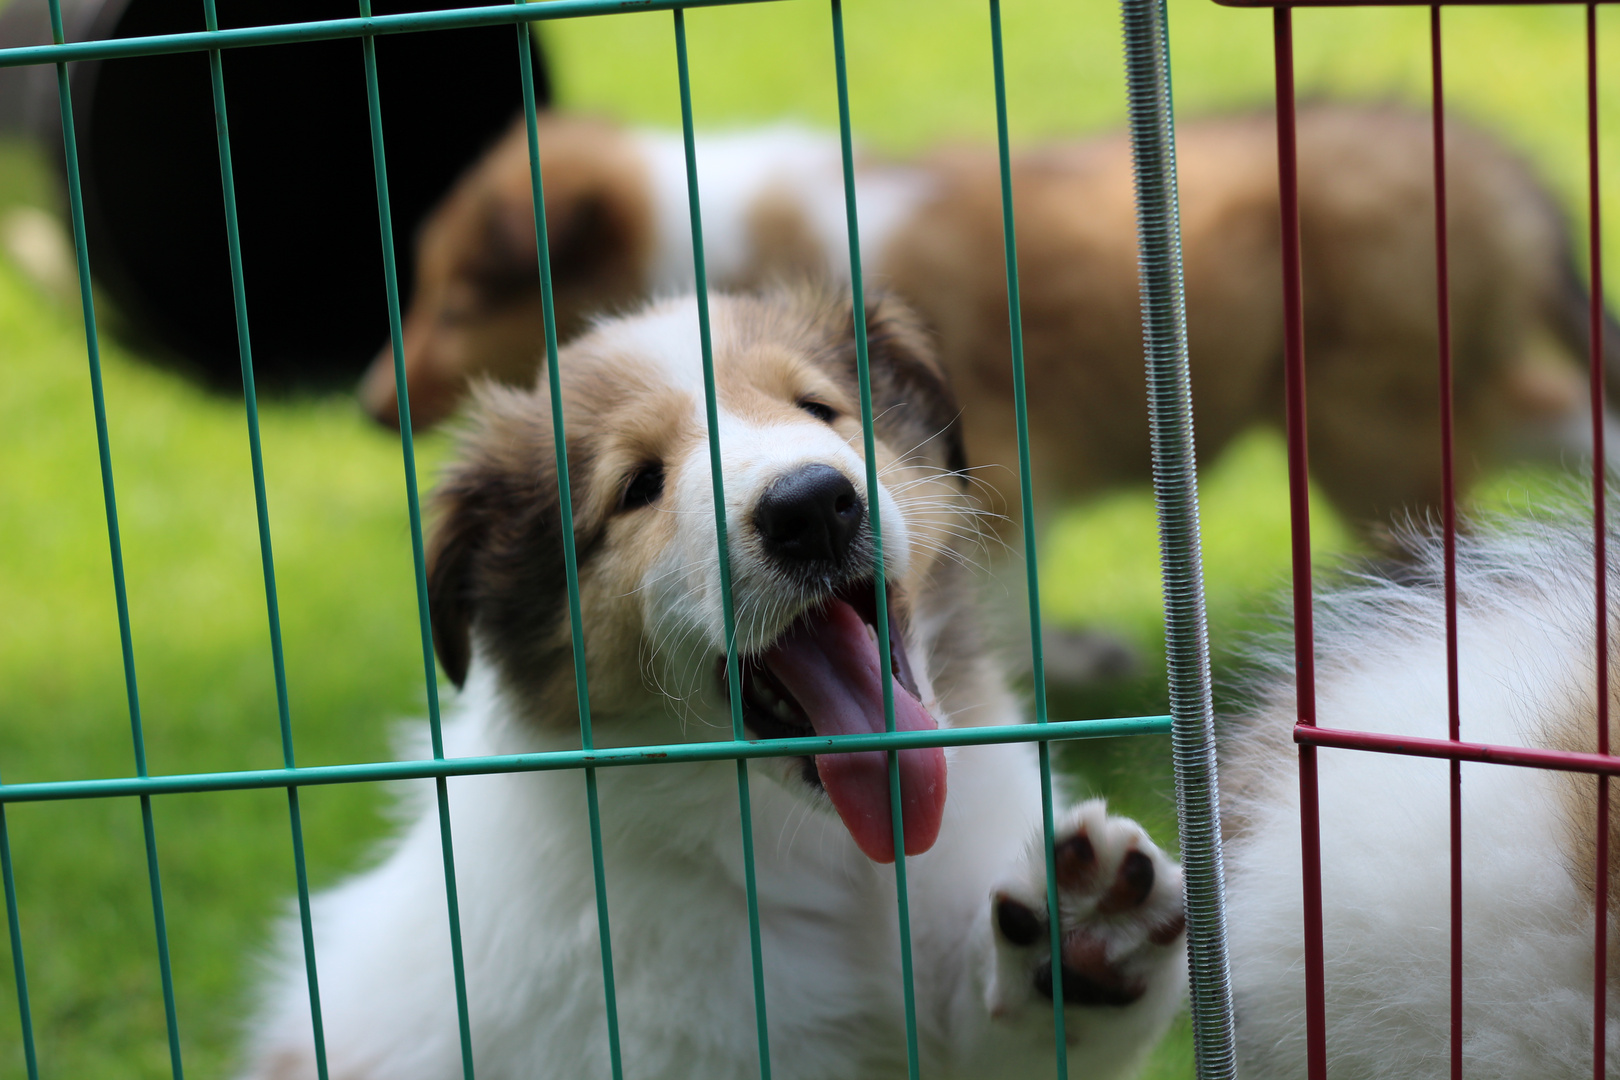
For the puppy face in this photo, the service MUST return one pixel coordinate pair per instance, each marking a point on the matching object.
(799, 525)
(477, 304)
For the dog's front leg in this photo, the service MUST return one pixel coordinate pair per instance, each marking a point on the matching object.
(1123, 970)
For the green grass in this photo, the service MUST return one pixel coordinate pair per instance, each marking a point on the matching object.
(919, 74)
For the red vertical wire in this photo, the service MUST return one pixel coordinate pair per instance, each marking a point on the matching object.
(1448, 511)
(1294, 370)
(1600, 945)
(1300, 519)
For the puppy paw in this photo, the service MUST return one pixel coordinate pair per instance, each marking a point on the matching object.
(1120, 917)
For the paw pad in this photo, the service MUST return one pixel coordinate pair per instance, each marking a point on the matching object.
(1120, 915)
(1075, 861)
(1088, 977)
(1132, 884)
(1017, 923)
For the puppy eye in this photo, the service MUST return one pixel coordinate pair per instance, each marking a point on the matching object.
(821, 412)
(645, 486)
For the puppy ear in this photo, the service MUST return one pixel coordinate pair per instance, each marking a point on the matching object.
(910, 389)
(495, 556)
(459, 536)
(590, 233)
(503, 265)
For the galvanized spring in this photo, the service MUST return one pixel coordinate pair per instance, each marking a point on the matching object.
(1175, 482)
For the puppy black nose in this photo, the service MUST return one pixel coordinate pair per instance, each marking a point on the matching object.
(810, 515)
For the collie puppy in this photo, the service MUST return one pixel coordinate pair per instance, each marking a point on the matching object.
(931, 230)
(1527, 677)
(801, 551)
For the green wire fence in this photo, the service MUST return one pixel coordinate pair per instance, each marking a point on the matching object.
(1170, 408)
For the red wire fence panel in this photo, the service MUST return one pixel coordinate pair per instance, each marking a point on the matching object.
(1307, 734)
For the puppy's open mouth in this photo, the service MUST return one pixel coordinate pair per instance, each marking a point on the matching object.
(824, 676)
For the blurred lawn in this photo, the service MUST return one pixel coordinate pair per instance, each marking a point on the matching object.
(918, 74)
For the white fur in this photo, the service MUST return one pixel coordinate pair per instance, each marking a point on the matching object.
(1525, 638)
(672, 852)
(736, 169)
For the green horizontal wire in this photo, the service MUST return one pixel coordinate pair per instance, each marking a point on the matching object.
(216, 74)
(115, 544)
(19, 970)
(879, 589)
(329, 29)
(722, 544)
(1027, 507)
(602, 757)
(570, 556)
(414, 505)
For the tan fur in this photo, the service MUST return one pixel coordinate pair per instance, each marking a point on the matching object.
(782, 244)
(1367, 224)
(1574, 728)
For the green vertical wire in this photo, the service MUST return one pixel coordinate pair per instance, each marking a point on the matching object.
(13, 923)
(1175, 482)
(1027, 497)
(570, 556)
(879, 589)
(368, 45)
(727, 607)
(216, 74)
(115, 543)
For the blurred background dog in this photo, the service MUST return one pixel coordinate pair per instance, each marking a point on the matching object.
(931, 230)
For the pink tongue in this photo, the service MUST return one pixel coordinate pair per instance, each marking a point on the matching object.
(829, 662)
